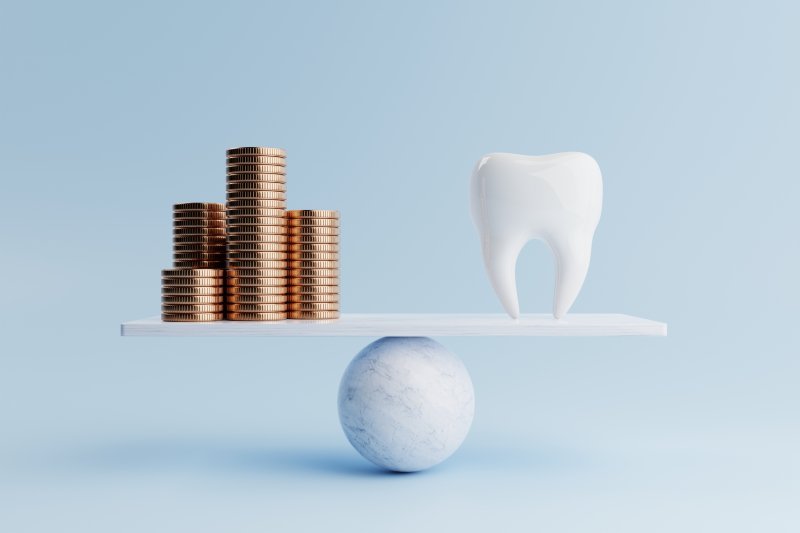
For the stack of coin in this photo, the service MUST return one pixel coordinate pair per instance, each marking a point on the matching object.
(199, 235)
(192, 294)
(313, 264)
(256, 209)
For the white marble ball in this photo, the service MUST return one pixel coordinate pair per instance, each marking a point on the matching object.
(406, 403)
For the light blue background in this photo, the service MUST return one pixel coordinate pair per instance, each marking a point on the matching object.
(109, 113)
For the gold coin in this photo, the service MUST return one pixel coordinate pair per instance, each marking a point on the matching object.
(313, 222)
(314, 264)
(188, 290)
(193, 206)
(199, 231)
(256, 308)
(313, 230)
(255, 150)
(255, 203)
(257, 221)
(314, 272)
(256, 282)
(199, 213)
(313, 315)
(257, 299)
(250, 194)
(275, 255)
(200, 247)
(312, 213)
(256, 212)
(256, 272)
(250, 247)
(258, 317)
(192, 273)
(191, 317)
(314, 256)
(241, 290)
(192, 308)
(260, 230)
(206, 240)
(200, 256)
(198, 263)
(314, 306)
(246, 177)
(255, 169)
(331, 248)
(330, 281)
(256, 186)
(193, 299)
(255, 160)
(192, 282)
(314, 289)
(198, 223)
(314, 239)
(238, 265)
(327, 298)
(256, 237)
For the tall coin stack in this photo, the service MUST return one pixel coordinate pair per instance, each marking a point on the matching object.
(193, 291)
(256, 209)
(313, 264)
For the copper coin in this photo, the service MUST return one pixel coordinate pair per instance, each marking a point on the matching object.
(275, 255)
(314, 239)
(256, 237)
(257, 317)
(188, 290)
(193, 282)
(199, 214)
(255, 150)
(256, 308)
(255, 160)
(239, 265)
(194, 206)
(198, 223)
(261, 230)
(199, 248)
(199, 256)
(257, 221)
(312, 213)
(197, 263)
(313, 315)
(314, 256)
(314, 247)
(193, 299)
(314, 306)
(255, 195)
(240, 247)
(276, 179)
(256, 272)
(314, 289)
(256, 282)
(198, 231)
(257, 212)
(199, 239)
(328, 222)
(257, 299)
(256, 203)
(192, 308)
(241, 290)
(191, 317)
(328, 298)
(255, 186)
(314, 272)
(314, 264)
(192, 273)
(327, 280)
(255, 169)
(313, 230)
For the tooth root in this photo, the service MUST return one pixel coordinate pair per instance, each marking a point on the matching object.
(572, 254)
(500, 258)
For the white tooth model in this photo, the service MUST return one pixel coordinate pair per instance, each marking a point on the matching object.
(556, 198)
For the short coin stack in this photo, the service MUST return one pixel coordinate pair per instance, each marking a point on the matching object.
(199, 235)
(313, 264)
(256, 209)
(192, 294)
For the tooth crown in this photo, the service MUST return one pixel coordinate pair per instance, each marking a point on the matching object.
(556, 198)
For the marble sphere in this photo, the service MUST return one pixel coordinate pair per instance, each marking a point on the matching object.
(406, 403)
